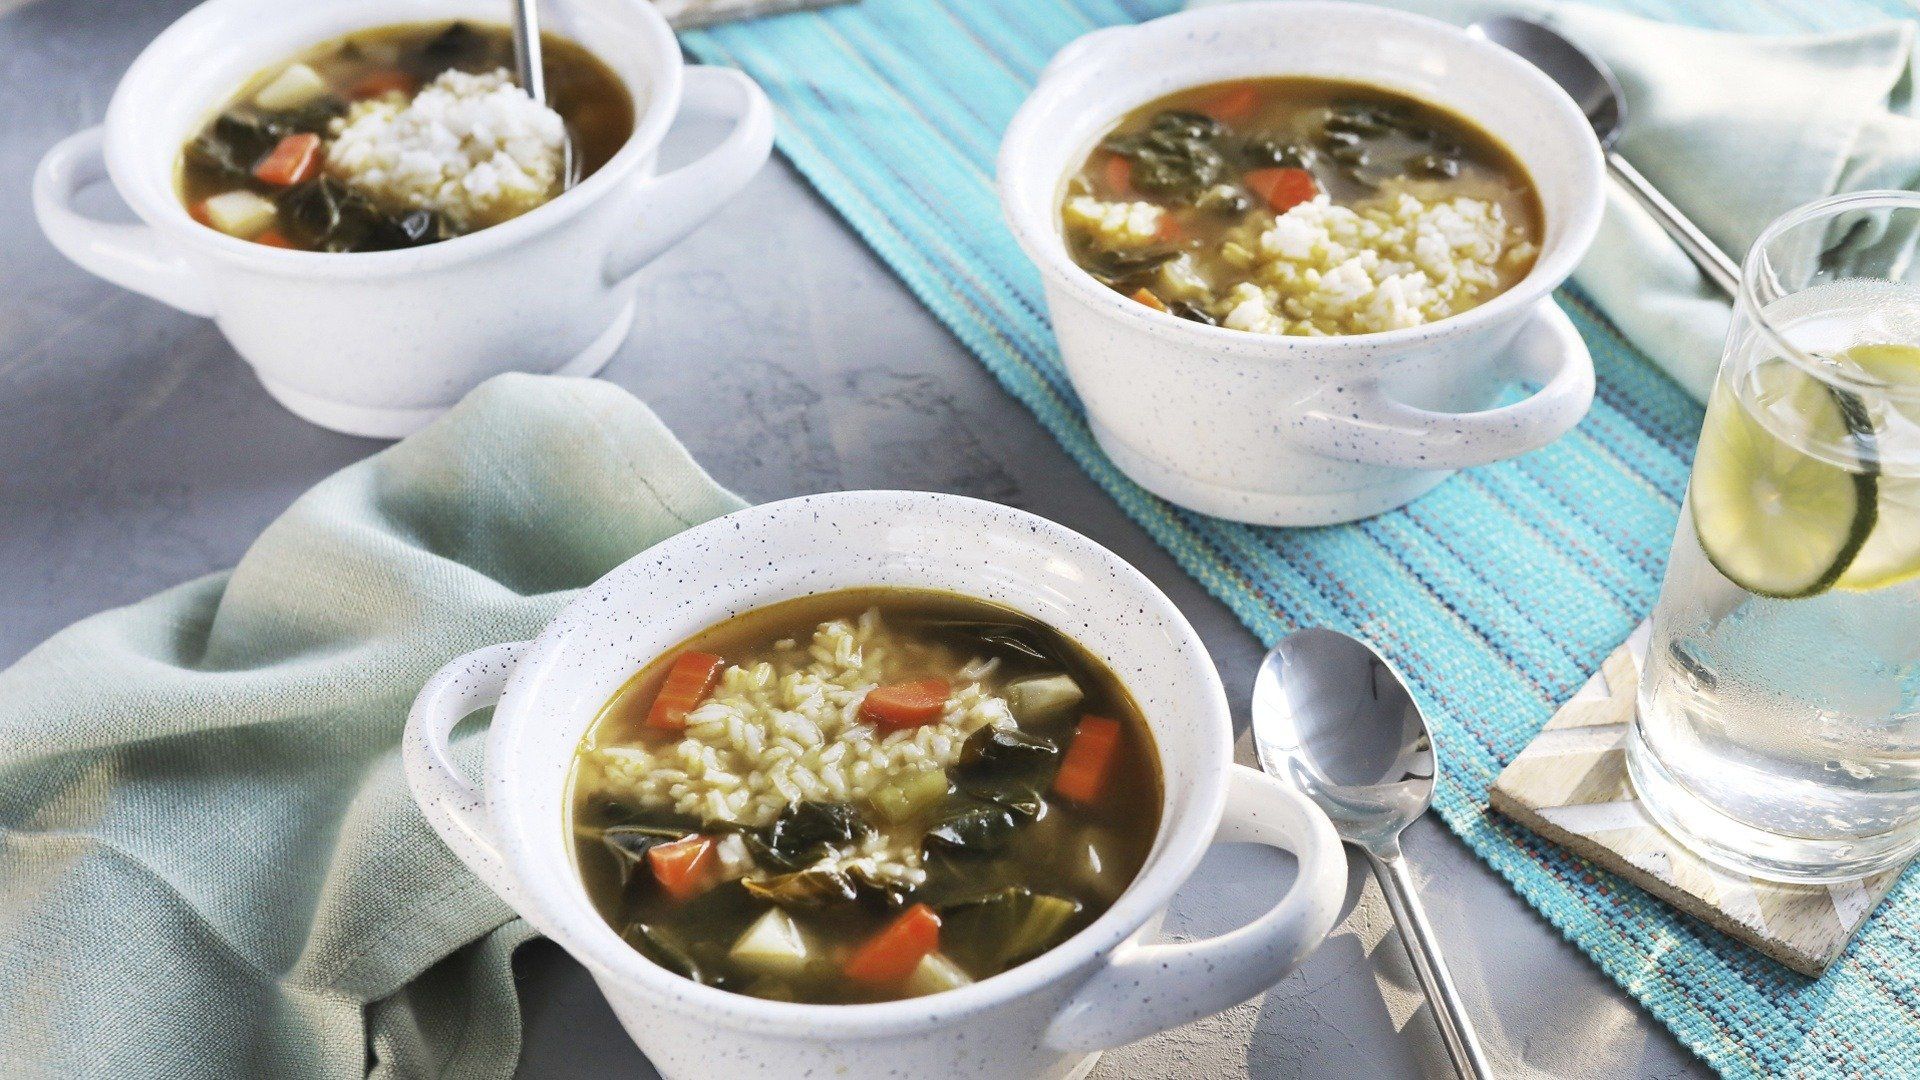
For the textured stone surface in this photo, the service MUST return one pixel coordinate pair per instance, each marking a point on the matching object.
(136, 452)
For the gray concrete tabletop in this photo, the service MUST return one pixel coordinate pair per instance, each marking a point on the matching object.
(136, 451)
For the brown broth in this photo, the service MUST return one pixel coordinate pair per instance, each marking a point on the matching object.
(1360, 143)
(590, 98)
(1088, 854)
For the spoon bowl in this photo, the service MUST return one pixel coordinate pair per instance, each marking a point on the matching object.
(1332, 718)
(1593, 87)
(1588, 81)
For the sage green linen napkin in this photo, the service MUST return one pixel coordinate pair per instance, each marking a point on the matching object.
(210, 865)
(1736, 129)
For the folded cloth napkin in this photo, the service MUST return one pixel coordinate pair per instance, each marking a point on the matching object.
(210, 865)
(1736, 129)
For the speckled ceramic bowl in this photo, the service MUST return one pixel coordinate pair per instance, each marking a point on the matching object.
(380, 343)
(1308, 431)
(1043, 1019)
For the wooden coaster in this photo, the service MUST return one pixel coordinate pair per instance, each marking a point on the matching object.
(1570, 786)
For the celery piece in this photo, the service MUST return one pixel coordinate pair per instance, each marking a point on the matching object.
(908, 797)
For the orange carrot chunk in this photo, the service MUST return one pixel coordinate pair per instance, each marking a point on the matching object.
(1283, 189)
(1235, 102)
(684, 868)
(1088, 766)
(1145, 296)
(381, 83)
(891, 955)
(273, 238)
(1118, 173)
(907, 704)
(688, 683)
(295, 160)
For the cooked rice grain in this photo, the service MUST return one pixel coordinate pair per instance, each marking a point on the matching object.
(776, 733)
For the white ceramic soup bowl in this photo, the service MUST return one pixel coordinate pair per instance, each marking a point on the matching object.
(1307, 431)
(1100, 988)
(379, 343)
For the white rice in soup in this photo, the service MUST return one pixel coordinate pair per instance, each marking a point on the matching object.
(786, 731)
(473, 148)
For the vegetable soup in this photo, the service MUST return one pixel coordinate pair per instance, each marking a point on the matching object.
(862, 796)
(1302, 206)
(399, 136)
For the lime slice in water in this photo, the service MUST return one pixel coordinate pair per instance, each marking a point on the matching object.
(1892, 552)
(1775, 520)
(1898, 366)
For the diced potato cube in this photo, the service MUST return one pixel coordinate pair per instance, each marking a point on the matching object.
(773, 945)
(239, 213)
(1046, 698)
(297, 85)
(934, 974)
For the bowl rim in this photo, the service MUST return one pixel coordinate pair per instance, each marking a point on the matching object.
(147, 187)
(1187, 825)
(1043, 243)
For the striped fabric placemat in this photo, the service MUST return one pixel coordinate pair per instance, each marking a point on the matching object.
(1499, 593)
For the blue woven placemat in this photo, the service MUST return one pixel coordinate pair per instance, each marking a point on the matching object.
(1499, 593)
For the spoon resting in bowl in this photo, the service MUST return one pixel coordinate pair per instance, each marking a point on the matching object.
(531, 73)
(1594, 89)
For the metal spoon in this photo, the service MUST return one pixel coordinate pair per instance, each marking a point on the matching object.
(1333, 719)
(531, 72)
(1593, 87)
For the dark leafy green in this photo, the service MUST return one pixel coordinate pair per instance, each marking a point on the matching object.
(804, 888)
(702, 960)
(458, 46)
(1178, 155)
(1124, 270)
(231, 145)
(1266, 150)
(982, 830)
(670, 950)
(1191, 312)
(1222, 199)
(1010, 639)
(630, 844)
(331, 216)
(1023, 800)
(993, 749)
(805, 833)
(1006, 926)
(607, 810)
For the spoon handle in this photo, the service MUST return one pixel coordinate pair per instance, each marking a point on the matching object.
(1714, 263)
(528, 67)
(1416, 933)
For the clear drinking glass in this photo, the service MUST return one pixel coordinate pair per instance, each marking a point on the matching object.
(1778, 729)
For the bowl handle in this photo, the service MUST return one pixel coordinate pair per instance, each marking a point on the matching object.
(1080, 48)
(1366, 427)
(671, 206)
(131, 256)
(1144, 989)
(451, 803)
